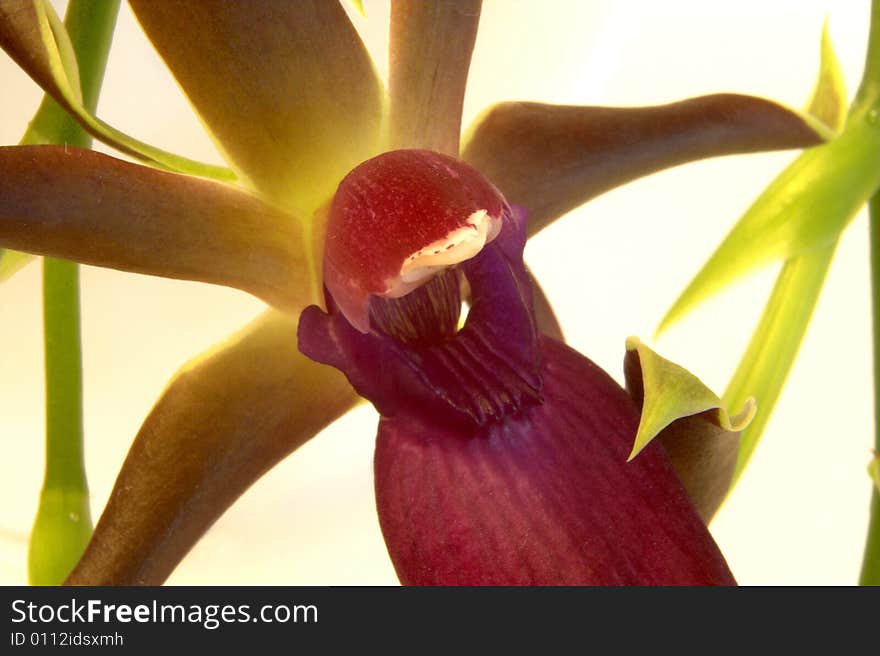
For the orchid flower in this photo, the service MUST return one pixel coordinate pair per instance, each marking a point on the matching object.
(504, 456)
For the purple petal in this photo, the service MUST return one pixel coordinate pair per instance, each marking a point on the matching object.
(543, 498)
(489, 369)
(502, 454)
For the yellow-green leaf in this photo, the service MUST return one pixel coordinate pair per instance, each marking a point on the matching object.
(33, 35)
(804, 209)
(773, 348)
(11, 262)
(874, 472)
(359, 6)
(671, 392)
(699, 436)
(828, 101)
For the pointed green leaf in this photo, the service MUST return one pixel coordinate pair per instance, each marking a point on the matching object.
(670, 392)
(828, 101)
(699, 435)
(359, 7)
(805, 208)
(32, 34)
(11, 262)
(773, 348)
(867, 100)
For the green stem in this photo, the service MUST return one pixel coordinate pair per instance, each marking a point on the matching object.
(61, 335)
(63, 524)
(867, 105)
(871, 562)
(868, 96)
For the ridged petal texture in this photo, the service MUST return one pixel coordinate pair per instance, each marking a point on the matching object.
(542, 498)
(502, 455)
(488, 370)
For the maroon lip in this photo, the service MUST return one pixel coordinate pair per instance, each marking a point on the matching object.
(502, 455)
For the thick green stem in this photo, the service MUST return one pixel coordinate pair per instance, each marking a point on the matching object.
(868, 96)
(63, 524)
(871, 563)
(61, 334)
(868, 104)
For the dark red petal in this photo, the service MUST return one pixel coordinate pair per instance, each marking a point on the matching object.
(545, 497)
(388, 209)
(502, 455)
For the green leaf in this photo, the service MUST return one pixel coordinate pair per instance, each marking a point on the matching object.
(867, 100)
(52, 124)
(671, 392)
(359, 7)
(764, 367)
(699, 435)
(11, 262)
(828, 101)
(804, 209)
(874, 472)
(63, 523)
(32, 34)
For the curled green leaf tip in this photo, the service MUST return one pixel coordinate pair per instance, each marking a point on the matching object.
(62, 55)
(828, 102)
(671, 392)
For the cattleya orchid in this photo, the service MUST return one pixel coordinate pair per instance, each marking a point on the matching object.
(503, 456)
